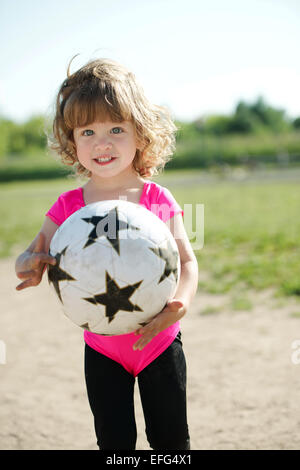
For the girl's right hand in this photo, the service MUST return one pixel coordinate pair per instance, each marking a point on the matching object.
(34, 263)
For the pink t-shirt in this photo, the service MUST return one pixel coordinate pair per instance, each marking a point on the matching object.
(160, 201)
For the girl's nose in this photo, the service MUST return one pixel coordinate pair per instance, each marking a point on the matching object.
(103, 143)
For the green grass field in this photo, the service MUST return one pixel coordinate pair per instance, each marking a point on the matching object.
(252, 227)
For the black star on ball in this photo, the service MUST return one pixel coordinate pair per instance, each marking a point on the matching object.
(170, 256)
(56, 274)
(116, 298)
(108, 226)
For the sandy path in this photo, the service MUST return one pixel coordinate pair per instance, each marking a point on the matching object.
(243, 388)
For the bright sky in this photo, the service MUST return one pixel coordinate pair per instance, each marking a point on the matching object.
(195, 56)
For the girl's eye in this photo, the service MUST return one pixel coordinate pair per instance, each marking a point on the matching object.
(117, 130)
(88, 132)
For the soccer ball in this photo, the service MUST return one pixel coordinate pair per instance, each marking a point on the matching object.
(117, 266)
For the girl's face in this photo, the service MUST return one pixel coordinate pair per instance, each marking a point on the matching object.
(106, 148)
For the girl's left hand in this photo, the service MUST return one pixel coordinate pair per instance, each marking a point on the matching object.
(173, 311)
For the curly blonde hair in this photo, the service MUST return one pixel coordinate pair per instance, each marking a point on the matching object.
(105, 90)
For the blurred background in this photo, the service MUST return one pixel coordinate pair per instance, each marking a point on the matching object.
(229, 72)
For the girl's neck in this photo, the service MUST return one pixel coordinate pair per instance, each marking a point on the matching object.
(114, 184)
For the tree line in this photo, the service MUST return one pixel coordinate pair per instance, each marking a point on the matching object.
(255, 118)
(22, 138)
(248, 119)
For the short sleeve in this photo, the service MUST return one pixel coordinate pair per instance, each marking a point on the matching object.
(56, 212)
(66, 204)
(166, 205)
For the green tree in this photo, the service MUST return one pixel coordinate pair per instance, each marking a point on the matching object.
(218, 124)
(243, 120)
(186, 131)
(22, 138)
(11, 137)
(270, 117)
(4, 136)
(34, 134)
(296, 123)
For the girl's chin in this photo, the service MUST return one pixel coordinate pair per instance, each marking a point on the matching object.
(106, 172)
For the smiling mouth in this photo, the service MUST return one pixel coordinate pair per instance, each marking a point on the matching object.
(104, 160)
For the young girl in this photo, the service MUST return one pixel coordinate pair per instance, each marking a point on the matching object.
(108, 130)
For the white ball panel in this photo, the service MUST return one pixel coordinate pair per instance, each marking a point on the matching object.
(81, 311)
(126, 323)
(86, 265)
(72, 229)
(151, 227)
(137, 262)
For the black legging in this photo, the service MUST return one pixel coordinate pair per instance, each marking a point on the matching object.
(162, 386)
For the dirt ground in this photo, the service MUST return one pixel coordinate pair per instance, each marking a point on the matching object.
(243, 387)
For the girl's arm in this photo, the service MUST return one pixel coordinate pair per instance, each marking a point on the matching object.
(188, 282)
(177, 307)
(30, 264)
